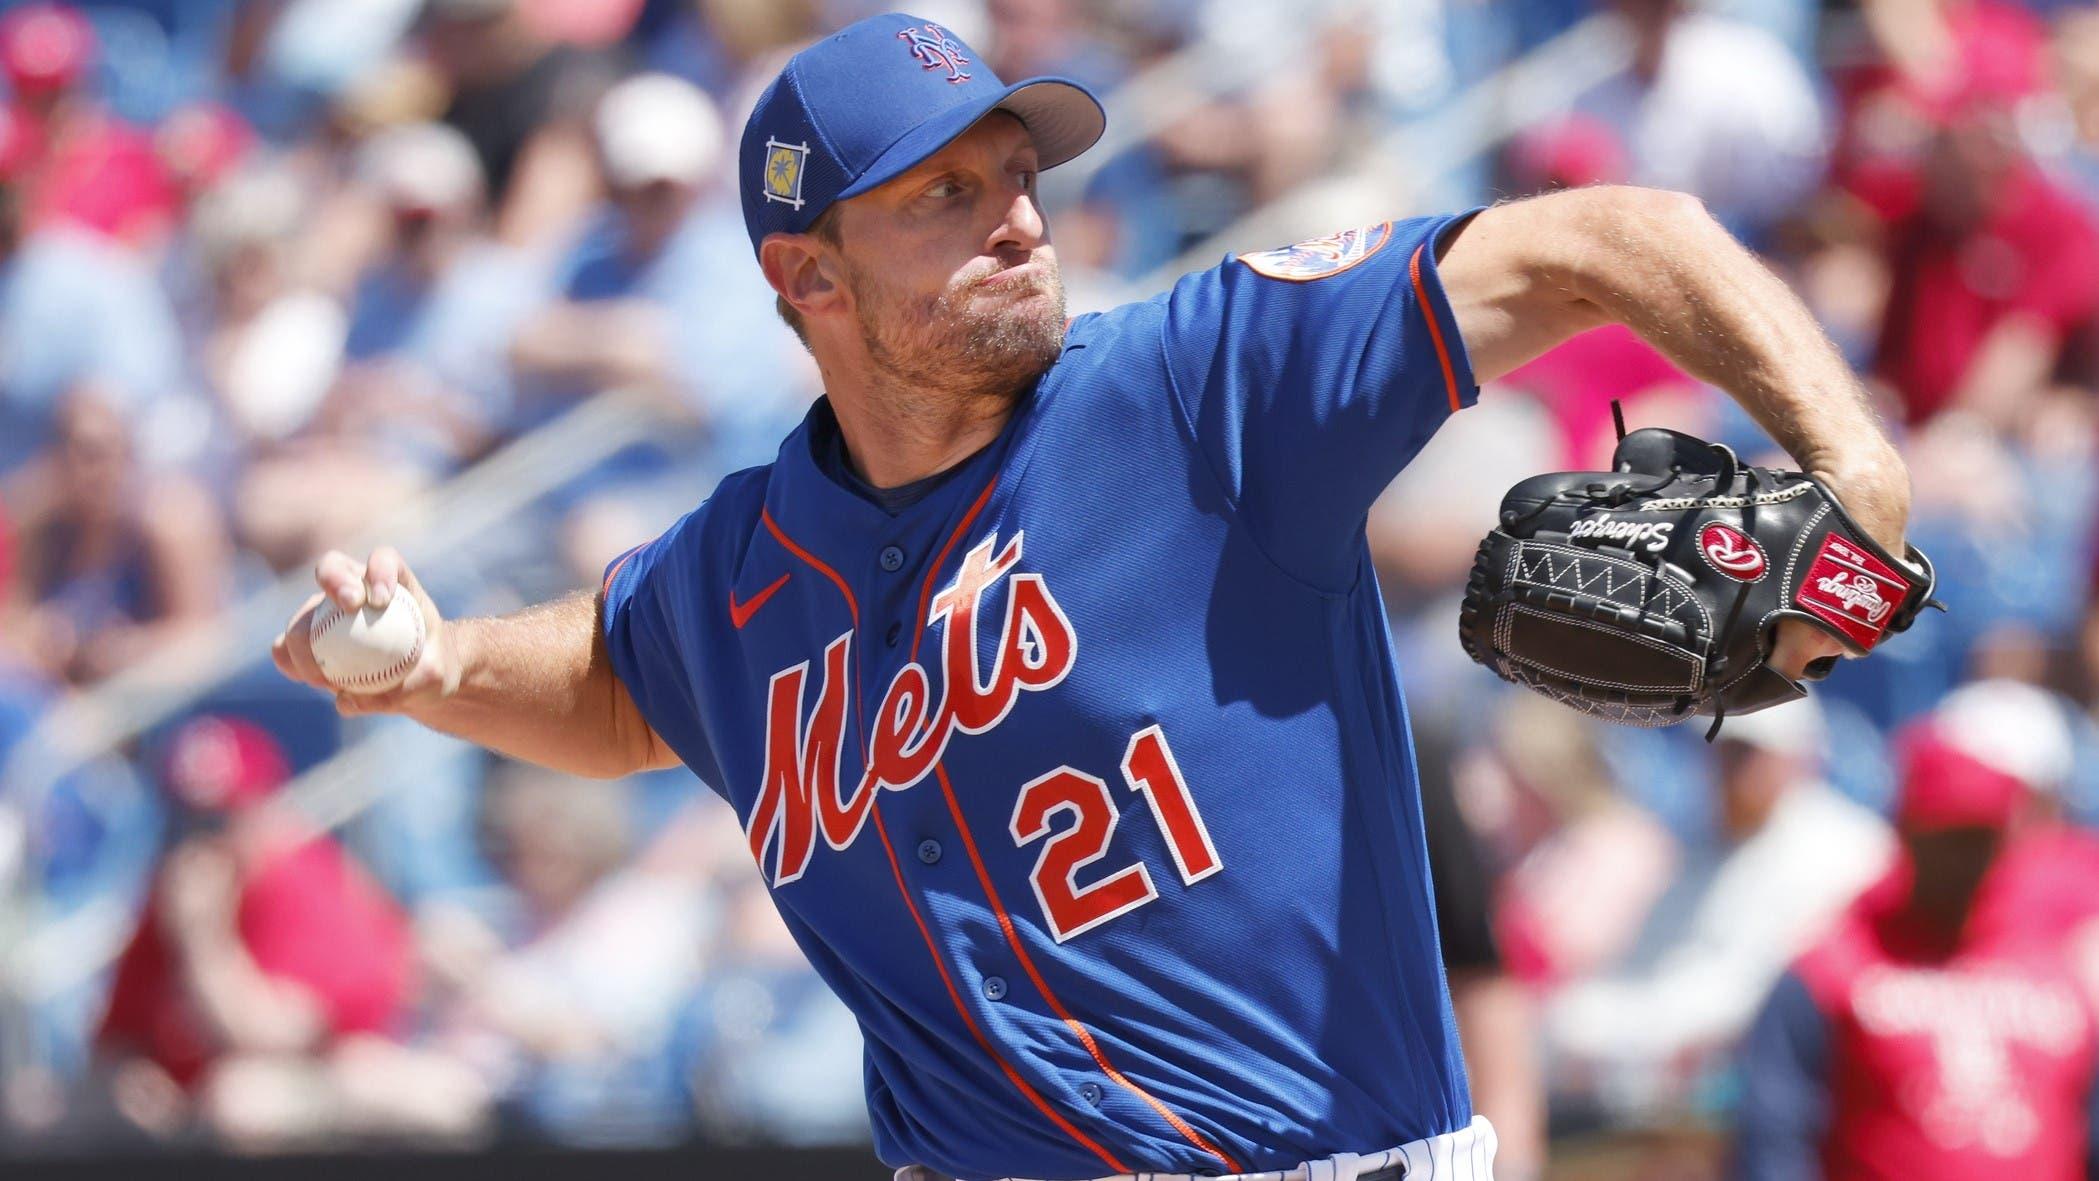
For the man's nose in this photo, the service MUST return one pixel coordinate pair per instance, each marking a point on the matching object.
(1022, 226)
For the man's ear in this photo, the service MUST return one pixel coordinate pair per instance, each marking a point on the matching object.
(801, 271)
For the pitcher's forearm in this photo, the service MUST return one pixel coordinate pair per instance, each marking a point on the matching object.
(1681, 281)
(1524, 276)
(535, 685)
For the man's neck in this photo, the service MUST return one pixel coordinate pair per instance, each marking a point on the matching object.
(894, 437)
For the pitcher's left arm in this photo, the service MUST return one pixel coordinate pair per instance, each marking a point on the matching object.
(1525, 276)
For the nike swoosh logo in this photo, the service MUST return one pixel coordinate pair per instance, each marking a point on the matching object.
(740, 613)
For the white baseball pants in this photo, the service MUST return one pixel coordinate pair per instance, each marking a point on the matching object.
(1463, 1155)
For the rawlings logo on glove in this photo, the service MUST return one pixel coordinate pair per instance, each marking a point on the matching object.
(1652, 592)
(1732, 552)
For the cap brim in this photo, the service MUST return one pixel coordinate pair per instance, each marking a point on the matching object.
(1063, 117)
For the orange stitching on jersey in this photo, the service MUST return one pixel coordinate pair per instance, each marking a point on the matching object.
(985, 1042)
(1027, 962)
(1435, 330)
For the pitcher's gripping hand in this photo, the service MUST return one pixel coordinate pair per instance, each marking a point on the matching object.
(351, 584)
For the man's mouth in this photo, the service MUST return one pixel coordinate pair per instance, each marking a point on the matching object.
(1027, 273)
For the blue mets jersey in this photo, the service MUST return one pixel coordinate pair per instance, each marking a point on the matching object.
(1085, 780)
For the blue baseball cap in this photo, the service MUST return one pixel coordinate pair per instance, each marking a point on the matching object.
(865, 105)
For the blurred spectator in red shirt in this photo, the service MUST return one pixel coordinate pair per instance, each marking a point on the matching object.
(1989, 260)
(1990, 272)
(88, 166)
(1945, 1028)
(1934, 57)
(259, 938)
(263, 957)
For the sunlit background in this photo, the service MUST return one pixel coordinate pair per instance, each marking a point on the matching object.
(470, 277)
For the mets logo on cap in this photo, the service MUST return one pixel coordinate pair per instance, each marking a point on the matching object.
(1316, 258)
(783, 172)
(936, 50)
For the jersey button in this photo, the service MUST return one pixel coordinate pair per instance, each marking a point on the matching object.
(929, 852)
(892, 559)
(895, 630)
(1091, 1093)
(994, 988)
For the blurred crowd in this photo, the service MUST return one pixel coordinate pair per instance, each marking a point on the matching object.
(275, 273)
(1851, 935)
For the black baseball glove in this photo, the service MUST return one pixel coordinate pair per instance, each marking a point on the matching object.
(1653, 592)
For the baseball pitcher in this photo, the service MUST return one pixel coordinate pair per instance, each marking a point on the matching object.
(1045, 665)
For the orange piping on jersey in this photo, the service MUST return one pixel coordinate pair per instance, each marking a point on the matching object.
(932, 949)
(1027, 963)
(925, 595)
(606, 586)
(765, 514)
(1435, 330)
(851, 605)
(1005, 920)
(904, 891)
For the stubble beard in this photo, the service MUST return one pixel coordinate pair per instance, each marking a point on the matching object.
(937, 350)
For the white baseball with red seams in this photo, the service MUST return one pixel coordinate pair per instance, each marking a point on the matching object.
(369, 650)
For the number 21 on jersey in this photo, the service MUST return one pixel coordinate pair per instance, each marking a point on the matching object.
(1149, 769)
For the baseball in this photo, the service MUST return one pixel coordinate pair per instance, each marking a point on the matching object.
(371, 649)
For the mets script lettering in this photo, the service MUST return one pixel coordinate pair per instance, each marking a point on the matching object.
(799, 794)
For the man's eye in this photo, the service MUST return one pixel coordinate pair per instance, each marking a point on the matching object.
(945, 188)
(1027, 179)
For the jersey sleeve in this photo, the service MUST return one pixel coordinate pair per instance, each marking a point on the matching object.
(648, 598)
(1312, 374)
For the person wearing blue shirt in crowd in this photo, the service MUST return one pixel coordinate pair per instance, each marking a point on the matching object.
(431, 322)
(657, 295)
(52, 285)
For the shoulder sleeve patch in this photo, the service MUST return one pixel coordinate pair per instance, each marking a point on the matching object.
(1318, 258)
